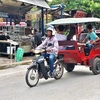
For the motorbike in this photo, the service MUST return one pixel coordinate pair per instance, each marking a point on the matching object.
(40, 69)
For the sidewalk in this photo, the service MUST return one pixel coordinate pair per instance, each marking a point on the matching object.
(10, 66)
(8, 63)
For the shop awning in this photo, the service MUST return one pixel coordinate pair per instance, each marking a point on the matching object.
(40, 3)
(15, 6)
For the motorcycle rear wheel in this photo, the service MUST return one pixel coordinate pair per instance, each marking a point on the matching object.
(58, 70)
(32, 77)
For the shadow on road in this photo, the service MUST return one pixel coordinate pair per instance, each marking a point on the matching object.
(49, 81)
(67, 76)
(80, 73)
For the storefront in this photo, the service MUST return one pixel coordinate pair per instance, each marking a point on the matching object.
(17, 8)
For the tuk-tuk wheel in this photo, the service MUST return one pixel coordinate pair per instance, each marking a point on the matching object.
(96, 66)
(70, 67)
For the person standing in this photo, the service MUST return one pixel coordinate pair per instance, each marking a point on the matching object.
(37, 37)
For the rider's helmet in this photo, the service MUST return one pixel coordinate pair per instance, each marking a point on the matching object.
(52, 30)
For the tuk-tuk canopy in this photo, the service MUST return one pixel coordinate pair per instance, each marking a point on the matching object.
(66, 21)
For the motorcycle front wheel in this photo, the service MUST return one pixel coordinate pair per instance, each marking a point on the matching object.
(32, 77)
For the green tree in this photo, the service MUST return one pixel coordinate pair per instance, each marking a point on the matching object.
(91, 6)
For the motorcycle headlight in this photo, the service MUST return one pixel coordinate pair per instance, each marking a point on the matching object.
(37, 51)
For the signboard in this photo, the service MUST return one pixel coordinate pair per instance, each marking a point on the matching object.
(80, 14)
(97, 31)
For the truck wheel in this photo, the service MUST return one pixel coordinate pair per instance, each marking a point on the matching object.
(69, 67)
(96, 66)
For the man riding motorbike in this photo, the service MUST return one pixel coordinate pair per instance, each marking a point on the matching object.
(51, 44)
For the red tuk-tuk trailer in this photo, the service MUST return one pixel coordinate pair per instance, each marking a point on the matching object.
(75, 53)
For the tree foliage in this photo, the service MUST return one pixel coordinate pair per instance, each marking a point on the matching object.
(90, 6)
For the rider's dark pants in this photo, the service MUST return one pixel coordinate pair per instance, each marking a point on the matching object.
(51, 58)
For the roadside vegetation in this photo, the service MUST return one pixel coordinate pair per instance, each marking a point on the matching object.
(90, 6)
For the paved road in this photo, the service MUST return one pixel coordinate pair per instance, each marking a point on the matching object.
(81, 84)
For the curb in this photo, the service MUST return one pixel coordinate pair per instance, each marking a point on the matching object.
(13, 64)
(14, 70)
